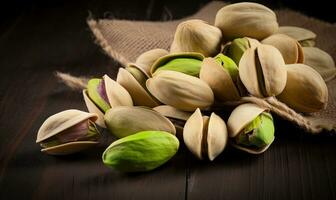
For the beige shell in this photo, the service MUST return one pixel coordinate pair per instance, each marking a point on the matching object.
(321, 61)
(269, 61)
(171, 112)
(146, 59)
(141, 73)
(180, 90)
(139, 94)
(197, 36)
(304, 36)
(59, 122)
(205, 136)
(124, 120)
(219, 80)
(289, 48)
(305, 90)
(116, 95)
(246, 20)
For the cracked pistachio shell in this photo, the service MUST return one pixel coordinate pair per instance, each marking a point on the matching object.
(289, 48)
(171, 112)
(60, 122)
(304, 36)
(139, 94)
(219, 79)
(240, 118)
(124, 120)
(143, 151)
(138, 73)
(262, 71)
(186, 62)
(197, 36)
(246, 20)
(238, 46)
(180, 90)
(321, 61)
(147, 59)
(205, 137)
(305, 90)
(116, 96)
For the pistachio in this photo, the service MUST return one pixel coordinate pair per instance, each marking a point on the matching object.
(238, 46)
(205, 137)
(321, 61)
(197, 36)
(187, 62)
(124, 120)
(68, 132)
(102, 94)
(246, 20)
(262, 71)
(147, 59)
(171, 112)
(138, 74)
(220, 74)
(305, 89)
(304, 36)
(143, 151)
(180, 90)
(251, 128)
(289, 48)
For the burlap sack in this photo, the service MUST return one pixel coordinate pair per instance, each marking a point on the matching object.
(124, 40)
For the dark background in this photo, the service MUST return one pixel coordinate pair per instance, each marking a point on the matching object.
(39, 37)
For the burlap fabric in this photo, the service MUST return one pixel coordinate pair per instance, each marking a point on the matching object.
(124, 40)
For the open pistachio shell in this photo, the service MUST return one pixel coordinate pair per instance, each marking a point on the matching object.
(289, 48)
(262, 71)
(92, 108)
(197, 36)
(304, 36)
(180, 90)
(124, 120)
(321, 61)
(138, 73)
(171, 112)
(146, 59)
(219, 80)
(305, 90)
(139, 94)
(205, 137)
(238, 46)
(246, 20)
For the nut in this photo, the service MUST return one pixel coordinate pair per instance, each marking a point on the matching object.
(147, 59)
(238, 46)
(305, 37)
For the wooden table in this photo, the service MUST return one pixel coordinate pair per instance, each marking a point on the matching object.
(44, 39)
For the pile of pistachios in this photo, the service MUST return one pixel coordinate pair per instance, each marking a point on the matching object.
(167, 93)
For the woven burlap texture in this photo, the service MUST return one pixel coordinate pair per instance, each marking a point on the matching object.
(125, 40)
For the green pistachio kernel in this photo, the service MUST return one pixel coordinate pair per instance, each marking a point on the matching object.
(236, 49)
(190, 66)
(229, 65)
(97, 93)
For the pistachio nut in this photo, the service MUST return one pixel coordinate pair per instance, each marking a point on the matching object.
(186, 62)
(102, 94)
(143, 151)
(125, 120)
(138, 73)
(180, 90)
(321, 61)
(305, 89)
(205, 137)
(262, 71)
(147, 59)
(289, 48)
(68, 132)
(220, 74)
(238, 46)
(304, 36)
(139, 94)
(251, 128)
(197, 36)
(246, 20)
(171, 112)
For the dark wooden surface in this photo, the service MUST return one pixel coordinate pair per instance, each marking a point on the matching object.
(41, 39)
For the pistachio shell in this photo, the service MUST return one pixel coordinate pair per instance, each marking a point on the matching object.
(262, 71)
(304, 36)
(197, 36)
(251, 151)
(321, 61)
(147, 59)
(204, 136)
(138, 72)
(139, 94)
(289, 48)
(123, 121)
(219, 80)
(171, 112)
(305, 90)
(238, 46)
(69, 148)
(181, 91)
(246, 20)
(92, 108)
